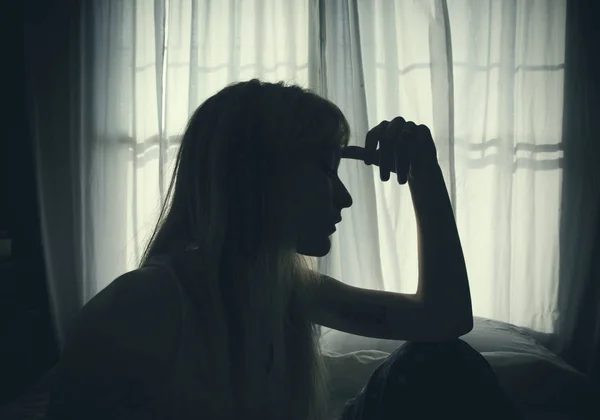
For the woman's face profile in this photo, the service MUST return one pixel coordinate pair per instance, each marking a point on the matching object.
(318, 197)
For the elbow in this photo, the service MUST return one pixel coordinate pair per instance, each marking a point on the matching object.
(447, 324)
(466, 322)
(452, 320)
(451, 329)
(465, 326)
(456, 320)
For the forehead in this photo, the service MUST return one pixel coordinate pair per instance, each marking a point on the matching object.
(331, 150)
(324, 151)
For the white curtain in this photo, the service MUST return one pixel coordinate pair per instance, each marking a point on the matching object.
(163, 59)
(486, 76)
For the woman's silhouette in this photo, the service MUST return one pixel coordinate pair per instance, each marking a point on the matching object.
(219, 320)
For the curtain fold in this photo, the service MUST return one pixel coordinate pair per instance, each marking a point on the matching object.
(579, 292)
(487, 77)
(55, 63)
(113, 84)
(355, 255)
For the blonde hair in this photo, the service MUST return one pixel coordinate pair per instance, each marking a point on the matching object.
(230, 197)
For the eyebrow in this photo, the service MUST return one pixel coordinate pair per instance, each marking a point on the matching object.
(329, 151)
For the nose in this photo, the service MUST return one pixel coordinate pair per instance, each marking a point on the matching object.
(343, 197)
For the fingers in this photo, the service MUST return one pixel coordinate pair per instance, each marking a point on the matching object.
(398, 154)
(396, 125)
(423, 131)
(405, 152)
(372, 139)
(402, 156)
(425, 141)
(387, 162)
(404, 148)
(354, 152)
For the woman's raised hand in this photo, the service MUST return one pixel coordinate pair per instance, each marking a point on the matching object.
(405, 149)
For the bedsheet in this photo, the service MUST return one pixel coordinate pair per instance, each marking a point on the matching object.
(539, 382)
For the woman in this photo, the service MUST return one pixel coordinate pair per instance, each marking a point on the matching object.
(219, 321)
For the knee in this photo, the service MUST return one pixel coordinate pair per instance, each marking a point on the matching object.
(437, 346)
(440, 351)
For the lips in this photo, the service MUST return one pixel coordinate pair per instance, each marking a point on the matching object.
(333, 227)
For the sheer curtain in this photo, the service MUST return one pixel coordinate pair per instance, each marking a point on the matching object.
(486, 76)
(164, 58)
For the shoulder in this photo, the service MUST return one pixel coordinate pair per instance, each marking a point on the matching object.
(123, 343)
(149, 289)
(135, 307)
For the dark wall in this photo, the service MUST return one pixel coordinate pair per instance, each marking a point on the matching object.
(18, 184)
(28, 346)
(581, 178)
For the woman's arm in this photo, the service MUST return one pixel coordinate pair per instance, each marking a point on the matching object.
(441, 308)
(443, 281)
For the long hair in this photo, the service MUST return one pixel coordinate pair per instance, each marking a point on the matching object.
(229, 198)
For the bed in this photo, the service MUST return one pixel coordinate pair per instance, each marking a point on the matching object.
(541, 384)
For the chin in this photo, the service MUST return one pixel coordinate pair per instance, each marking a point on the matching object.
(315, 248)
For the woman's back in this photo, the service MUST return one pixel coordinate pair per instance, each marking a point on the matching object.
(139, 350)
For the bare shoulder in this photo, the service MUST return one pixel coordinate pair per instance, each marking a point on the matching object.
(139, 305)
(147, 289)
(122, 343)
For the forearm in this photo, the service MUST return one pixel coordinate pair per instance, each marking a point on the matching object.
(443, 281)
